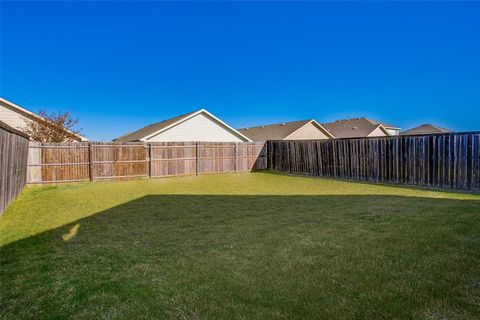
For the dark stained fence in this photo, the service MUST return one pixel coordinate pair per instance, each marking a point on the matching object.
(68, 162)
(13, 164)
(445, 160)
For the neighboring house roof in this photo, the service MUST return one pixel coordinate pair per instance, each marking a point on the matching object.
(355, 128)
(149, 131)
(425, 129)
(385, 125)
(33, 116)
(279, 131)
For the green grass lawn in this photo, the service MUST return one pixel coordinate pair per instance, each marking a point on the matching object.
(260, 245)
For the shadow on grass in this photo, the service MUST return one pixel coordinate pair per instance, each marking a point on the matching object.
(192, 256)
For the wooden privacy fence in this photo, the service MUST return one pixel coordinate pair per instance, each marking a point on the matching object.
(68, 162)
(13, 164)
(444, 160)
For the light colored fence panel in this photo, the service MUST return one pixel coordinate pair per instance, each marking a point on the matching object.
(251, 156)
(173, 159)
(68, 162)
(111, 161)
(34, 172)
(65, 162)
(216, 158)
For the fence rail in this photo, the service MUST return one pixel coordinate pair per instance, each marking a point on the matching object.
(13, 164)
(80, 161)
(445, 160)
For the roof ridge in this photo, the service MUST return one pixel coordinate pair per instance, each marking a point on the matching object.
(275, 124)
(153, 125)
(350, 119)
(372, 121)
(424, 129)
(369, 120)
(156, 128)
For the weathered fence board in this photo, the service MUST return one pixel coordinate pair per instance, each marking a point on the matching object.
(68, 162)
(173, 159)
(118, 160)
(13, 164)
(445, 160)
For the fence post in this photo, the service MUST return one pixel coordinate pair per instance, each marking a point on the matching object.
(265, 151)
(90, 162)
(197, 159)
(235, 157)
(150, 160)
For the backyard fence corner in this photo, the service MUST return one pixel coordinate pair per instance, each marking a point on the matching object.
(450, 160)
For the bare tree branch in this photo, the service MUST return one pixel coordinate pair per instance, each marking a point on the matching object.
(52, 127)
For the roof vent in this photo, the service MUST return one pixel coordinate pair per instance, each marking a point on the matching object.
(283, 124)
(262, 126)
(354, 128)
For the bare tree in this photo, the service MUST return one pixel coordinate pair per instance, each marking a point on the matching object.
(53, 127)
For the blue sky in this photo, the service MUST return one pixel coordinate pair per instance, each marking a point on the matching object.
(121, 65)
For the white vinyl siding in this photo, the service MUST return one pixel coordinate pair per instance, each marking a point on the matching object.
(198, 128)
(12, 117)
(308, 132)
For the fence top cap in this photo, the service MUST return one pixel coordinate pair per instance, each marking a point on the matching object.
(10, 129)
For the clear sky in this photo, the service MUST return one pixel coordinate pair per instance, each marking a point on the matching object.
(122, 65)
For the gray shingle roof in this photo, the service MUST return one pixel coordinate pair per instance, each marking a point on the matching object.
(385, 125)
(352, 128)
(425, 129)
(277, 131)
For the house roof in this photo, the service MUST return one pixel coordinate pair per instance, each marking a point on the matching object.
(278, 131)
(150, 129)
(354, 128)
(425, 129)
(34, 116)
(385, 125)
(156, 128)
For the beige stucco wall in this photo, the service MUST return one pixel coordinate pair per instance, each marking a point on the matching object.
(308, 132)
